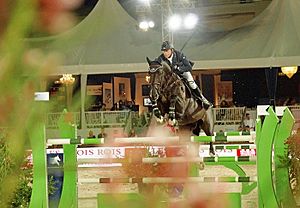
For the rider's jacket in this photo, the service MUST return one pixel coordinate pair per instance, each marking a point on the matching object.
(179, 61)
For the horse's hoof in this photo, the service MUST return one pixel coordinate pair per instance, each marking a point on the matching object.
(212, 153)
(172, 122)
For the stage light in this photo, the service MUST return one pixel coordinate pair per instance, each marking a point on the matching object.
(151, 24)
(174, 22)
(190, 21)
(144, 25)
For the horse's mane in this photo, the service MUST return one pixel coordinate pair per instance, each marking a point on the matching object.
(166, 67)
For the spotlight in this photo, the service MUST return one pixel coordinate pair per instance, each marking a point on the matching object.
(174, 22)
(151, 24)
(190, 21)
(144, 25)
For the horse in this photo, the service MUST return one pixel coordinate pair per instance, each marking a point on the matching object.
(54, 161)
(171, 96)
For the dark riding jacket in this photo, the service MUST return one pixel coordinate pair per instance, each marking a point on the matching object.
(179, 64)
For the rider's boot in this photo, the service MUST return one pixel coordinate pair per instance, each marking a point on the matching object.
(199, 96)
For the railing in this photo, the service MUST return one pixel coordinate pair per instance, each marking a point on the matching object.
(128, 120)
(52, 119)
(94, 119)
(97, 119)
(137, 121)
(228, 116)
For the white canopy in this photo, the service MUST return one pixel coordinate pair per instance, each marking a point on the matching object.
(270, 39)
(108, 41)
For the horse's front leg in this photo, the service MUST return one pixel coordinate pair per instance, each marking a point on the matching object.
(157, 112)
(172, 109)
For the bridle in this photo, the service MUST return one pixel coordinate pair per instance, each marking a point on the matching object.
(155, 86)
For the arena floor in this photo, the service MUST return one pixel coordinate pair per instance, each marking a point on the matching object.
(87, 192)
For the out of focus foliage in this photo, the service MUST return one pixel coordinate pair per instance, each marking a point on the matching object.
(23, 71)
(294, 162)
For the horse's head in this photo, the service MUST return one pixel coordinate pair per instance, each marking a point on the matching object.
(157, 72)
(155, 66)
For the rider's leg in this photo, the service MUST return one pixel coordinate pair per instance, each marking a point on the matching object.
(196, 90)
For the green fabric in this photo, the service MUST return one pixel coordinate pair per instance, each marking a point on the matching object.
(283, 189)
(102, 46)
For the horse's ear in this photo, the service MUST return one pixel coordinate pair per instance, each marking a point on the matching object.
(148, 60)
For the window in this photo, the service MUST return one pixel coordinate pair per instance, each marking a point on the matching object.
(145, 90)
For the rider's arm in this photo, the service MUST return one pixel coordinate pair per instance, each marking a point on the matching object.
(183, 64)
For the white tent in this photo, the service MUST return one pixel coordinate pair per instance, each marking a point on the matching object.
(270, 39)
(109, 41)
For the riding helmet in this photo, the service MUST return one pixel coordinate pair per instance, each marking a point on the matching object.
(166, 45)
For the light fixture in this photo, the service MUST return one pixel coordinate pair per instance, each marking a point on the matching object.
(151, 24)
(147, 78)
(174, 22)
(190, 21)
(67, 79)
(147, 2)
(289, 71)
(145, 25)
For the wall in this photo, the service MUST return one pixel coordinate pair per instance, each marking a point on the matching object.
(140, 80)
(126, 82)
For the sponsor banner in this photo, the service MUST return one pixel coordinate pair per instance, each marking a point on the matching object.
(119, 152)
(219, 152)
(246, 152)
(95, 153)
(107, 152)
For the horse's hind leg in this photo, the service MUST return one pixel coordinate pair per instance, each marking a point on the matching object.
(206, 127)
(197, 129)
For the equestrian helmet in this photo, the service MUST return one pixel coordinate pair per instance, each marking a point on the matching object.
(166, 45)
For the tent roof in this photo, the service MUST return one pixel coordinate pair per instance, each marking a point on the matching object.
(109, 41)
(270, 39)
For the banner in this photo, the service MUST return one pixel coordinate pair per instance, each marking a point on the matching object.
(94, 89)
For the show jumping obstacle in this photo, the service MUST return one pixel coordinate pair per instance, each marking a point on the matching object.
(269, 133)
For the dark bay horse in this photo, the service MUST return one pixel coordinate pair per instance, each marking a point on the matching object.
(169, 95)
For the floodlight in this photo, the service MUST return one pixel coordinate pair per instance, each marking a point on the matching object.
(190, 21)
(144, 25)
(174, 22)
(151, 24)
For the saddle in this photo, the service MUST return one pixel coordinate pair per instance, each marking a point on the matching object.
(188, 91)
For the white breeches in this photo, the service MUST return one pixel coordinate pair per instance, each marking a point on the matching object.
(188, 76)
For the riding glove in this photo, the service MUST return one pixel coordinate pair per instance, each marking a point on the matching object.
(178, 70)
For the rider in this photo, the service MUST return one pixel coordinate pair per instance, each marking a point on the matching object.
(183, 67)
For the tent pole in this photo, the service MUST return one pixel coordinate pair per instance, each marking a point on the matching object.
(271, 79)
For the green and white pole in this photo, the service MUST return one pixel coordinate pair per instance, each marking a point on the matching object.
(225, 179)
(37, 135)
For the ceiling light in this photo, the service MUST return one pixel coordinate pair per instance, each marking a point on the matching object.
(151, 24)
(174, 22)
(190, 21)
(289, 71)
(144, 25)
